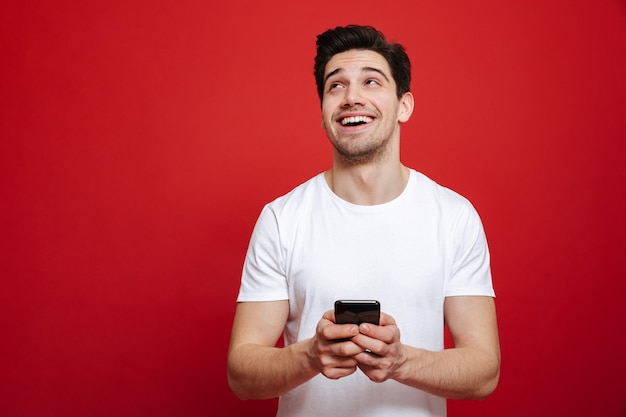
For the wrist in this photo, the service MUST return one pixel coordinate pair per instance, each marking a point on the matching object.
(310, 357)
(406, 363)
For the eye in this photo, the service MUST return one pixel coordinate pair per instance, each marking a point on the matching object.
(372, 81)
(334, 86)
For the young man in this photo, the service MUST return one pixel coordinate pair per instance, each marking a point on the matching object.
(368, 228)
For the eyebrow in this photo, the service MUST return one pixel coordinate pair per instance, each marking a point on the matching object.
(364, 69)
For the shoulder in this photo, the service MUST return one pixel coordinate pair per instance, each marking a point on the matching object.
(444, 204)
(429, 191)
(287, 210)
(300, 197)
(279, 220)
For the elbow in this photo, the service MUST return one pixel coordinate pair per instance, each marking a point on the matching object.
(487, 389)
(488, 385)
(235, 389)
(243, 385)
(490, 379)
(236, 386)
(239, 393)
(234, 377)
(481, 385)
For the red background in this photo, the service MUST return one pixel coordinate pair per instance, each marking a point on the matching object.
(140, 139)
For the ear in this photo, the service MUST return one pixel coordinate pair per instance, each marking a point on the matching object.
(407, 103)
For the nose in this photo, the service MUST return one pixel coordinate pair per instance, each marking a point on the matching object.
(353, 96)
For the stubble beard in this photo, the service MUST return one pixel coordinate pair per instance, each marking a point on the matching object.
(355, 150)
(361, 154)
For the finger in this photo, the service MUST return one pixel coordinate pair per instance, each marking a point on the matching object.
(386, 320)
(336, 373)
(340, 331)
(339, 362)
(386, 334)
(370, 344)
(373, 373)
(367, 359)
(329, 315)
(346, 348)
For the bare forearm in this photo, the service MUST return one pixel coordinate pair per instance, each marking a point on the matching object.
(459, 373)
(260, 372)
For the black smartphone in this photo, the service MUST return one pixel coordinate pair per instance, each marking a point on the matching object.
(357, 311)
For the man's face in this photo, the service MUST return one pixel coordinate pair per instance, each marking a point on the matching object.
(360, 109)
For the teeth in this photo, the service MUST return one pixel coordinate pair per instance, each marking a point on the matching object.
(356, 119)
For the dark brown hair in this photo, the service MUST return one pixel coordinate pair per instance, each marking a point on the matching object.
(342, 39)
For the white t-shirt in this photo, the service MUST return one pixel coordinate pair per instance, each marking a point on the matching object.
(312, 248)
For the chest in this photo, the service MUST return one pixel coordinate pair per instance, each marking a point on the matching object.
(374, 256)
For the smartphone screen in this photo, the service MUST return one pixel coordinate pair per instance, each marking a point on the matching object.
(357, 311)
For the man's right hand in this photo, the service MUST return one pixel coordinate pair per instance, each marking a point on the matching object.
(332, 351)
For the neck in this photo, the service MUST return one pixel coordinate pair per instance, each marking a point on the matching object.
(369, 184)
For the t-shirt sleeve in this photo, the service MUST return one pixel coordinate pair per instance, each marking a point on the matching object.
(471, 271)
(264, 277)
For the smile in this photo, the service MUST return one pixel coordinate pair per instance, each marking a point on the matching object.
(355, 120)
